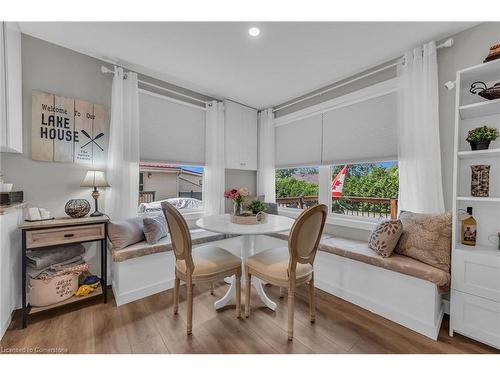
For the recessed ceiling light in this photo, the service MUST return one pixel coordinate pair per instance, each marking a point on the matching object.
(254, 31)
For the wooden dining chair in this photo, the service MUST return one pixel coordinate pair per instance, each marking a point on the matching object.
(205, 264)
(290, 266)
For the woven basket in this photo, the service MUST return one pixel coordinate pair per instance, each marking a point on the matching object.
(53, 290)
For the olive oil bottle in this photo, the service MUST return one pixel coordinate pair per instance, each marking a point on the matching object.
(469, 231)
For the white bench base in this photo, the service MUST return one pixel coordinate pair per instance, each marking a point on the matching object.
(414, 303)
(409, 301)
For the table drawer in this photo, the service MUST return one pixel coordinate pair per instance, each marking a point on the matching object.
(60, 236)
(477, 273)
(476, 317)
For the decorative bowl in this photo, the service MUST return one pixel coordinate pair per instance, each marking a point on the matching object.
(77, 208)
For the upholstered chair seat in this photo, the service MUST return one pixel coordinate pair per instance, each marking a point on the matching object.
(274, 264)
(209, 261)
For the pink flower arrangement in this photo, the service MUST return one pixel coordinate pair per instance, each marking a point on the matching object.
(231, 194)
(237, 196)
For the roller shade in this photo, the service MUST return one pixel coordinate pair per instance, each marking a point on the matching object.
(298, 143)
(361, 132)
(170, 131)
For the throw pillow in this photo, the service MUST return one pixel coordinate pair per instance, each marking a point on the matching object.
(385, 237)
(125, 232)
(427, 238)
(155, 228)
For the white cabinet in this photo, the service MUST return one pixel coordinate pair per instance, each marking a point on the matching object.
(240, 136)
(10, 263)
(11, 134)
(476, 317)
(475, 270)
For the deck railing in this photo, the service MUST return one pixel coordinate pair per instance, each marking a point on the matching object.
(146, 196)
(356, 206)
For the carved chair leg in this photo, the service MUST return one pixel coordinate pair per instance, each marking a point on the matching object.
(291, 303)
(176, 294)
(248, 289)
(212, 289)
(312, 300)
(189, 307)
(282, 294)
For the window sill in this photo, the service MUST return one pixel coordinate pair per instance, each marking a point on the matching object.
(335, 219)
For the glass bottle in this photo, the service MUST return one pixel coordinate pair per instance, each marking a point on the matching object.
(469, 231)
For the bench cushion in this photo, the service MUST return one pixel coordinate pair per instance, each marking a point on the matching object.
(359, 250)
(198, 236)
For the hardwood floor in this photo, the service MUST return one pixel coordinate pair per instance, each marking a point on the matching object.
(149, 326)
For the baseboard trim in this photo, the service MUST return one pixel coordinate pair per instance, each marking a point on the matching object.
(136, 294)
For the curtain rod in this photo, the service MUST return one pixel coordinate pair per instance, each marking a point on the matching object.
(106, 70)
(447, 43)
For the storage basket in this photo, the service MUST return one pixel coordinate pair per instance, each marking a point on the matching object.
(53, 290)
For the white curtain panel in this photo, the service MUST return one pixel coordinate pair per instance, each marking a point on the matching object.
(419, 153)
(123, 151)
(214, 174)
(266, 146)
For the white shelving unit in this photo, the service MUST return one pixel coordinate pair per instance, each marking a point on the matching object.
(475, 270)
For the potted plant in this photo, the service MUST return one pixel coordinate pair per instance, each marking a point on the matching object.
(480, 138)
(256, 206)
(237, 196)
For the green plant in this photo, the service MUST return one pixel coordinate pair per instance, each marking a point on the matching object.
(256, 206)
(482, 134)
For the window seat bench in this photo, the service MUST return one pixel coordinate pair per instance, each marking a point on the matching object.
(398, 288)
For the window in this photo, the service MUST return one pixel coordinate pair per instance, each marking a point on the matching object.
(297, 187)
(181, 185)
(367, 190)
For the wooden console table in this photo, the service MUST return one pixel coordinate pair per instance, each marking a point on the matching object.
(40, 234)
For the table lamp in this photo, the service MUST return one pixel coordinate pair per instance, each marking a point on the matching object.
(95, 179)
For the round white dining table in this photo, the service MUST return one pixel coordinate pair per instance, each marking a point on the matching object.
(247, 233)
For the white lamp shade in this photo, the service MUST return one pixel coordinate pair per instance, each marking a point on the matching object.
(94, 179)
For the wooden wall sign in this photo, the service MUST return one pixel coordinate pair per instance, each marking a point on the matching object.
(68, 130)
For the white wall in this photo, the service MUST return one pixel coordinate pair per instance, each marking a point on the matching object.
(238, 178)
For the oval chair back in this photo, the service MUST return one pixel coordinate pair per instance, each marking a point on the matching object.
(179, 234)
(305, 236)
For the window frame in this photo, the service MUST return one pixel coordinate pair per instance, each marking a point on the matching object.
(324, 197)
(190, 214)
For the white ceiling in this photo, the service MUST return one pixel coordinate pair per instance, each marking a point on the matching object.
(220, 59)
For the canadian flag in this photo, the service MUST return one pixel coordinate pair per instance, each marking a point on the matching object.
(338, 182)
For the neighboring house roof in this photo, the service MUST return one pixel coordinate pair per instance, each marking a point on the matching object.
(166, 168)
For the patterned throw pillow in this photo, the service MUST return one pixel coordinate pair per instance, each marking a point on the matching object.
(427, 238)
(385, 237)
(155, 228)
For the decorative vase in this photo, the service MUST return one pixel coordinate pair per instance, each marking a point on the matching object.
(77, 208)
(480, 180)
(236, 209)
(480, 145)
